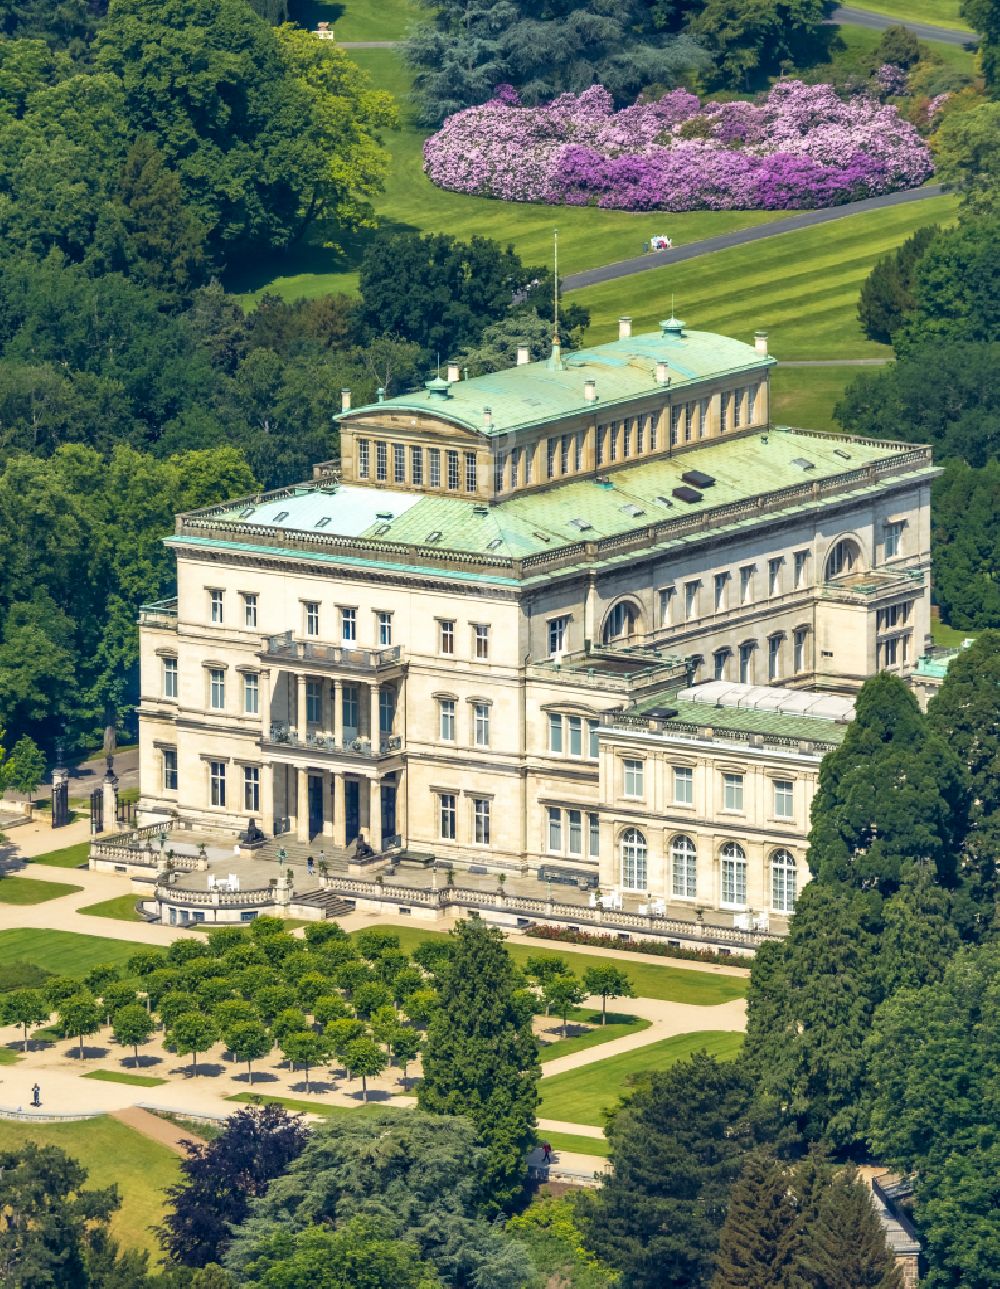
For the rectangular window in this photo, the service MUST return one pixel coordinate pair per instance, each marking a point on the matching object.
(217, 689)
(215, 607)
(627, 437)
(613, 441)
(675, 425)
(732, 791)
(249, 610)
(383, 623)
(251, 693)
(666, 598)
(578, 451)
(737, 408)
(555, 732)
(251, 789)
(723, 413)
(314, 702)
(594, 831)
(446, 714)
(684, 865)
(348, 625)
(751, 404)
(703, 418)
(633, 777)
(364, 458)
(312, 618)
(746, 663)
(453, 480)
(721, 661)
(683, 785)
(481, 723)
(593, 742)
(774, 658)
(652, 432)
(499, 468)
(558, 631)
(555, 830)
(169, 677)
(564, 448)
(640, 435)
(774, 576)
(734, 882)
(481, 638)
(446, 637)
(381, 463)
(784, 807)
(217, 782)
(349, 712)
(434, 457)
(891, 648)
(893, 540)
(574, 729)
(170, 769)
(417, 467)
(481, 818)
(599, 457)
(688, 421)
(551, 445)
(691, 600)
(801, 560)
(529, 457)
(721, 583)
(471, 474)
(446, 802)
(784, 883)
(515, 463)
(398, 463)
(799, 640)
(386, 710)
(746, 583)
(575, 833)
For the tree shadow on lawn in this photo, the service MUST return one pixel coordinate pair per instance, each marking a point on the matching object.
(374, 1094)
(316, 1086)
(34, 1045)
(310, 256)
(143, 1063)
(206, 1070)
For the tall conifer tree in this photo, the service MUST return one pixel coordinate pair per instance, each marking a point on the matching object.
(758, 1242)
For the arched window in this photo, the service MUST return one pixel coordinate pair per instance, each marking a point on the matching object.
(784, 881)
(734, 876)
(684, 866)
(844, 557)
(621, 622)
(635, 874)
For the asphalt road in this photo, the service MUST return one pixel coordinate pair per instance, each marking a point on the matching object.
(806, 219)
(922, 30)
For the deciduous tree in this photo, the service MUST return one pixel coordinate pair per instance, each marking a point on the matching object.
(192, 1032)
(132, 1026)
(80, 1015)
(610, 982)
(24, 1007)
(365, 1058)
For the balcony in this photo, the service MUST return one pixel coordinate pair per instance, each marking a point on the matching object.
(285, 648)
(161, 614)
(874, 587)
(281, 734)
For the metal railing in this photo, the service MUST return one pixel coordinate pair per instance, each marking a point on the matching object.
(282, 733)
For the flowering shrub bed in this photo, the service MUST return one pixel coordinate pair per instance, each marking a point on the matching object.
(658, 948)
(799, 147)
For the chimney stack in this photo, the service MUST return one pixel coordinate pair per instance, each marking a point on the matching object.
(760, 341)
(345, 400)
(487, 418)
(590, 391)
(624, 328)
(523, 355)
(662, 374)
(452, 373)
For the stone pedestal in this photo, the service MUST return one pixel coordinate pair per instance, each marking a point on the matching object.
(109, 789)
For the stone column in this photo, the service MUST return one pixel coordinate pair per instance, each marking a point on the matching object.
(110, 793)
(338, 712)
(265, 702)
(401, 820)
(339, 811)
(328, 825)
(373, 728)
(373, 827)
(303, 721)
(267, 799)
(290, 801)
(303, 795)
(327, 685)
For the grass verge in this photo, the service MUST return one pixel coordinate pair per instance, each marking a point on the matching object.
(617, 1027)
(649, 980)
(949, 637)
(586, 1095)
(576, 1145)
(65, 953)
(111, 1153)
(9, 1056)
(311, 1107)
(806, 396)
(70, 857)
(122, 907)
(938, 13)
(121, 1076)
(29, 890)
(206, 1129)
(802, 287)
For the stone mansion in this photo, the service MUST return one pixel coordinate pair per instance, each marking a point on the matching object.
(593, 616)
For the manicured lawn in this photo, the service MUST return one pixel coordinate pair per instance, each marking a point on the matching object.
(586, 1094)
(577, 1145)
(802, 287)
(121, 1076)
(121, 907)
(29, 890)
(649, 980)
(587, 236)
(949, 637)
(939, 13)
(8, 1056)
(617, 1027)
(806, 396)
(70, 857)
(360, 19)
(309, 1107)
(111, 1152)
(65, 953)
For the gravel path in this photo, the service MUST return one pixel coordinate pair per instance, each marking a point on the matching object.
(805, 219)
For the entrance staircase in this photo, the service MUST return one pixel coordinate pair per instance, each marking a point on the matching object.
(332, 904)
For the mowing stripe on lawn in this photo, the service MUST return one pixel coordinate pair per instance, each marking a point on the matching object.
(65, 953)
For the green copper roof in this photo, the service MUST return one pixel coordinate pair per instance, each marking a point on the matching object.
(534, 393)
(564, 513)
(735, 719)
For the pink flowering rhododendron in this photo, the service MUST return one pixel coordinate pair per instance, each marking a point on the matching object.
(891, 79)
(801, 146)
